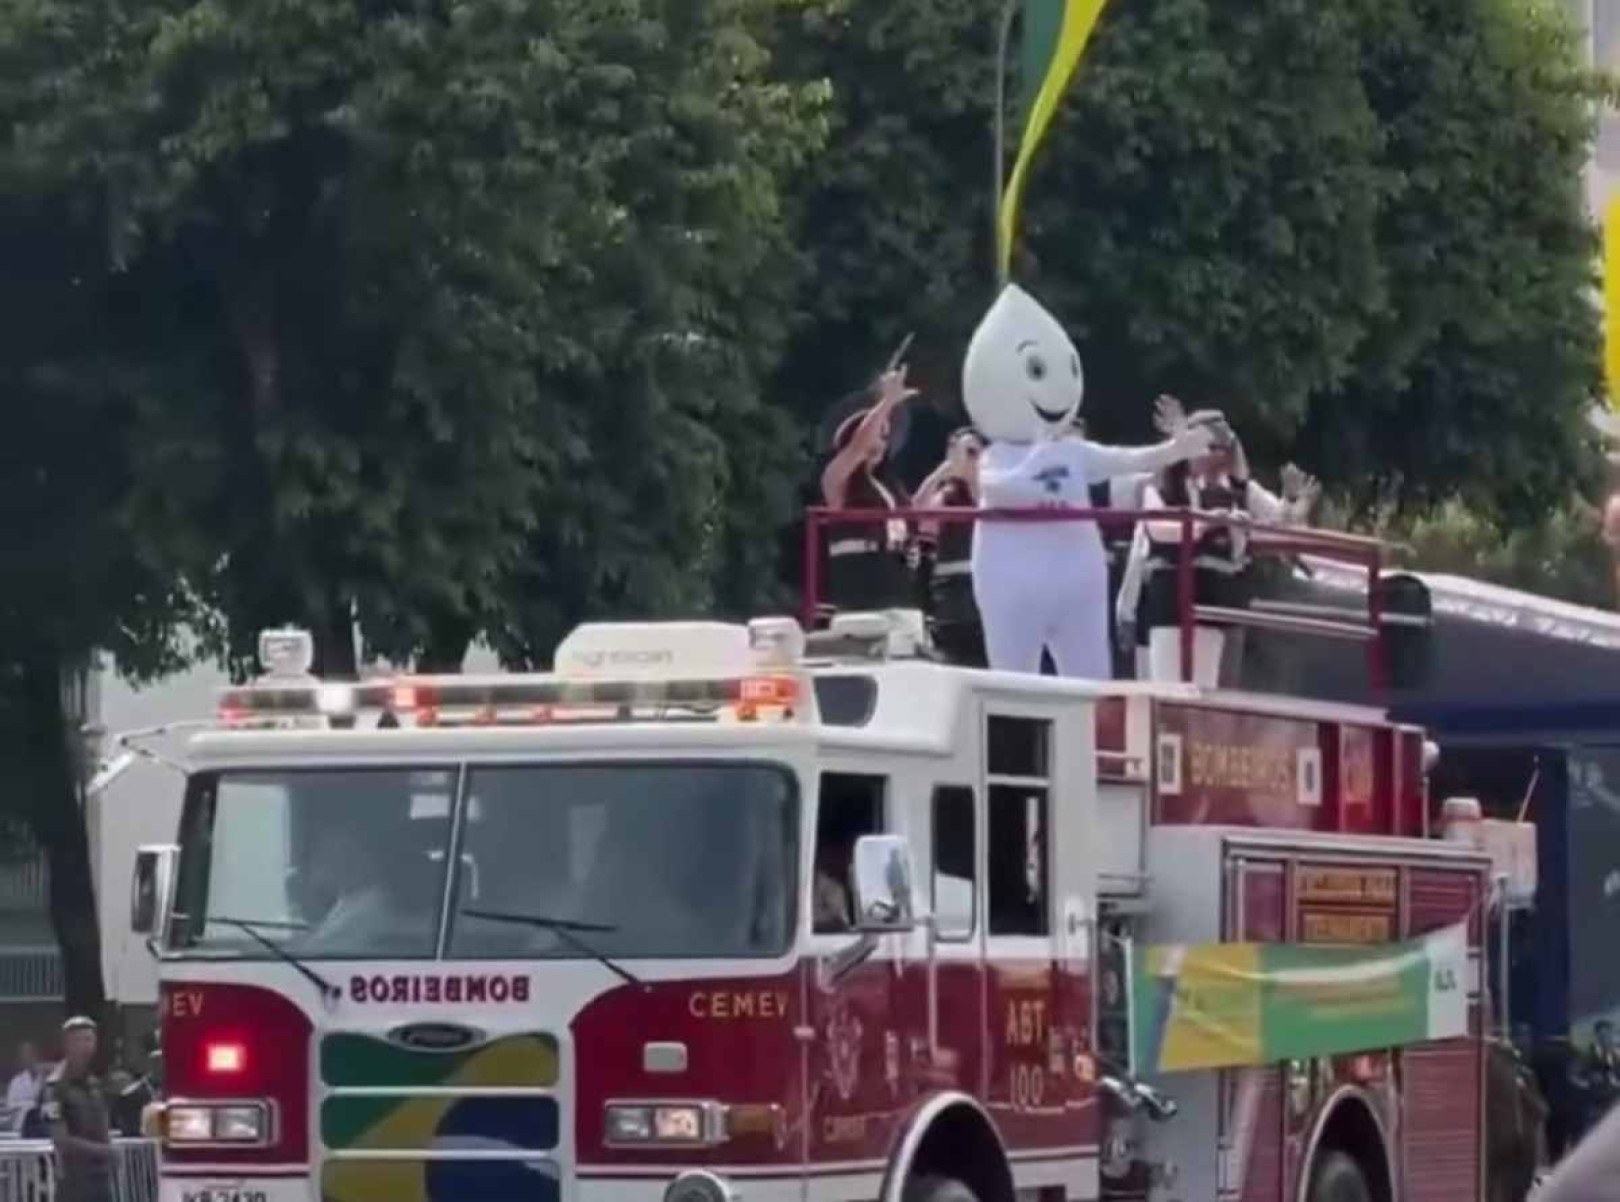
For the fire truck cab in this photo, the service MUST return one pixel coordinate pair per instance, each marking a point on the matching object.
(728, 911)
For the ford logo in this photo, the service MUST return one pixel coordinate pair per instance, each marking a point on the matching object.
(433, 1037)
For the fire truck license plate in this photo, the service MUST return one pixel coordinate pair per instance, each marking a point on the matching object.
(222, 1193)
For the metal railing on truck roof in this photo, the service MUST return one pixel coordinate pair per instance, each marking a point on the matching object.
(1264, 539)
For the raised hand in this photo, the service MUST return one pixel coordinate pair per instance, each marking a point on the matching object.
(892, 387)
(1194, 442)
(1169, 415)
(1300, 488)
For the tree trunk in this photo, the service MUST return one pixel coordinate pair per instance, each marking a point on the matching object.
(447, 643)
(334, 642)
(53, 808)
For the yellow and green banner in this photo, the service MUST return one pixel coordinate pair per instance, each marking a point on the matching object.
(1055, 33)
(1228, 1005)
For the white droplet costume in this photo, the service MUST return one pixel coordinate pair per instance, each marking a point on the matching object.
(1042, 584)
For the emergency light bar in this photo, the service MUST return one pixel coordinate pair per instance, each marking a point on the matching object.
(606, 672)
(521, 701)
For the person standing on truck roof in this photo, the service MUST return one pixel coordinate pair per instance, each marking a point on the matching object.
(954, 484)
(1217, 483)
(865, 563)
(76, 1110)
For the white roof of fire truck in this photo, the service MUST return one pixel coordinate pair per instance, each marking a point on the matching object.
(868, 681)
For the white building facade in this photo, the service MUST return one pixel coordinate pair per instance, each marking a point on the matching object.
(1601, 20)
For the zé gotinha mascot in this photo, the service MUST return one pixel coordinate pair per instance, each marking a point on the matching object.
(1043, 585)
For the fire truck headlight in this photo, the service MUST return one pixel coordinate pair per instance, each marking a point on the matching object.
(189, 1124)
(666, 1123)
(628, 1125)
(679, 1124)
(217, 1123)
(699, 1186)
(240, 1124)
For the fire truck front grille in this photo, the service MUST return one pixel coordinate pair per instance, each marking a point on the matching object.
(434, 1123)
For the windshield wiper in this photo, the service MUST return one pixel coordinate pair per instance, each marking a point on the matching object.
(565, 929)
(251, 927)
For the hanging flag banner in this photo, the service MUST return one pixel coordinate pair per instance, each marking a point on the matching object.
(1229, 1005)
(1054, 39)
(1611, 300)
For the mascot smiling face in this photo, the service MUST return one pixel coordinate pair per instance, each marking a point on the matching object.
(1021, 380)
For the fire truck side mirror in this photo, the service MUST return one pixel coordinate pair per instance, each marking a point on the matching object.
(151, 889)
(881, 875)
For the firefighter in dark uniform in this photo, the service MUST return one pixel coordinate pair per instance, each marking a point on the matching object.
(947, 552)
(1217, 484)
(866, 566)
(76, 1111)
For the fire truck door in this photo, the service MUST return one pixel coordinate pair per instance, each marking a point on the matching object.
(853, 1084)
(1040, 806)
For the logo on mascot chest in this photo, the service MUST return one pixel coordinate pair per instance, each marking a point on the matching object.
(1053, 479)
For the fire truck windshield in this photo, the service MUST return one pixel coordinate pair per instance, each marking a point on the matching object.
(665, 859)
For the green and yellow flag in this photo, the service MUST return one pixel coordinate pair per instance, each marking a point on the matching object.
(1611, 300)
(1055, 33)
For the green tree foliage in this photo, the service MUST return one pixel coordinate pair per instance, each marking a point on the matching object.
(894, 217)
(458, 311)
(1559, 554)
(423, 318)
(80, 574)
(1473, 377)
(1356, 225)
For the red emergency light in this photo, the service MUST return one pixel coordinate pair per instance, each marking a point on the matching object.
(521, 701)
(224, 1058)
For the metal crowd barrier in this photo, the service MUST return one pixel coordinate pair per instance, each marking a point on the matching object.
(28, 1170)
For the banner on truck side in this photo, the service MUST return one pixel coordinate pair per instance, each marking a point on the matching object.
(1227, 1005)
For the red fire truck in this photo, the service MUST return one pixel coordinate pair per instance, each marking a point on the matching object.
(716, 911)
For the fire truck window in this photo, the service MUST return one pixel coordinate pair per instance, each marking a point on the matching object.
(955, 862)
(656, 859)
(851, 806)
(329, 863)
(1018, 747)
(1017, 846)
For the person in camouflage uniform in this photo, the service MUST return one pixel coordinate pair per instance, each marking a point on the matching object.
(76, 1110)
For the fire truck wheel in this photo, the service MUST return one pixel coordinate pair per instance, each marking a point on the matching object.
(929, 1188)
(1338, 1178)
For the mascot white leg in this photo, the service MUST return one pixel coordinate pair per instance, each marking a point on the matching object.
(1079, 638)
(1011, 645)
(1012, 601)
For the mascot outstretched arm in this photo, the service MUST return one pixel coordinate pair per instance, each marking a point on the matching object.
(1043, 585)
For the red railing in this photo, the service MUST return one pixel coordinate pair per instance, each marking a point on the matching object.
(1264, 539)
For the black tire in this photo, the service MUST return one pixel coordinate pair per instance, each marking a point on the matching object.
(932, 1188)
(1338, 1178)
